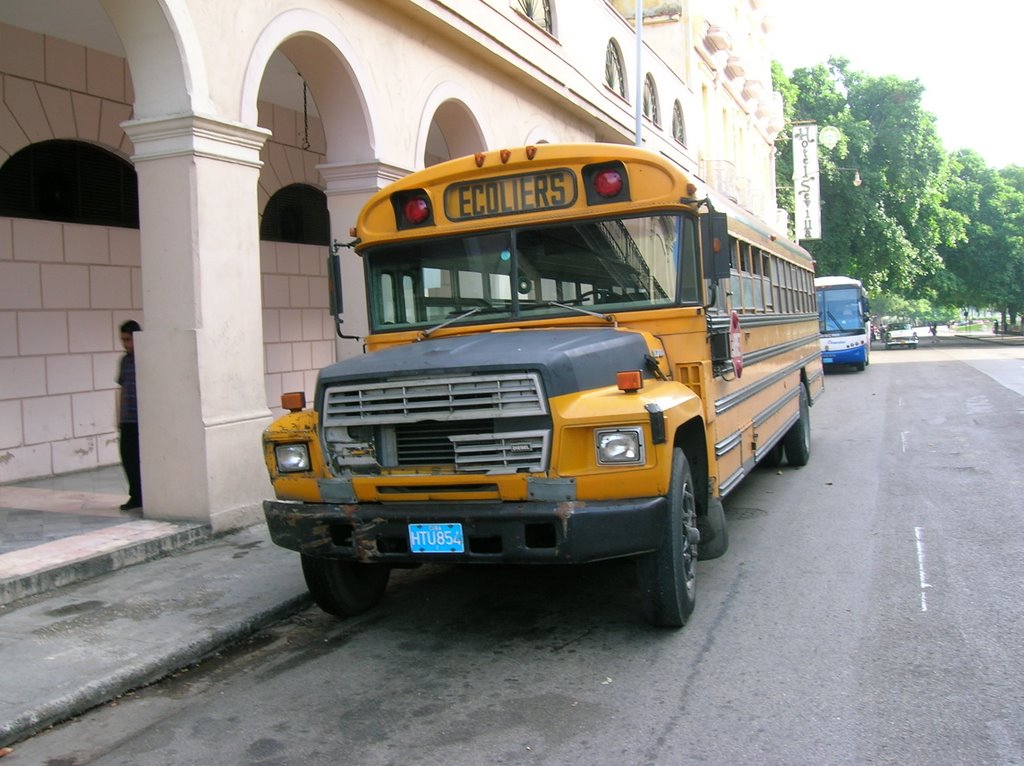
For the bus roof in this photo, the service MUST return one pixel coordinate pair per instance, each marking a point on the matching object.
(837, 282)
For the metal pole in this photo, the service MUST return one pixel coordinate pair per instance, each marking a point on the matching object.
(639, 72)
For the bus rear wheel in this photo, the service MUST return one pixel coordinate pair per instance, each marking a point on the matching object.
(344, 588)
(667, 577)
(797, 440)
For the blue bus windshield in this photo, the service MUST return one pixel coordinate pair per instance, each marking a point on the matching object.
(840, 311)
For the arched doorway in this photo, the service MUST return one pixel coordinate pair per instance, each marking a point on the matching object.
(453, 132)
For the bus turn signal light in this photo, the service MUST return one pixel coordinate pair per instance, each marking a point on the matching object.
(630, 381)
(293, 401)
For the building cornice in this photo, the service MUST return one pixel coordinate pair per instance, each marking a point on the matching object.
(197, 135)
(359, 177)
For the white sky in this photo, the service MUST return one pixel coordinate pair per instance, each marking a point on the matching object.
(968, 56)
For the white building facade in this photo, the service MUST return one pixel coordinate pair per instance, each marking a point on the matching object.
(215, 108)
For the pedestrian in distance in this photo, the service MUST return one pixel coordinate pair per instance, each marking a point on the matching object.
(128, 417)
(934, 329)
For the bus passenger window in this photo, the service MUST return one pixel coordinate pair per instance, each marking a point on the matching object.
(758, 280)
(407, 305)
(548, 289)
(387, 299)
(501, 287)
(437, 288)
(471, 285)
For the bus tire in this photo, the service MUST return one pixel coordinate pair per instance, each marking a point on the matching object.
(798, 438)
(344, 588)
(667, 577)
(714, 532)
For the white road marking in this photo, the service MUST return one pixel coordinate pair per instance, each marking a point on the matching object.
(903, 440)
(979, 404)
(919, 536)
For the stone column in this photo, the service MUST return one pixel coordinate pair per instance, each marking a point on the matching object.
(200, 354)
(349, 186)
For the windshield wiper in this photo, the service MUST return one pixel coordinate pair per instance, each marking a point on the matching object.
(839, 325)
(499, 309)
(579, 310)
(458, 317)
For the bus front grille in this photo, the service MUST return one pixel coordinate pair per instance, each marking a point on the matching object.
(452, 398)
(466, 424)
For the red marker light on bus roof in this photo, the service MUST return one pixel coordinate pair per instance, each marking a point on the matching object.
(416, 210)
(608, 183)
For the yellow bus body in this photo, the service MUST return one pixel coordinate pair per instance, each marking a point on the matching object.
(725, 414)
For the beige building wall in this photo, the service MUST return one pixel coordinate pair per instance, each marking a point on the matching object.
(207, 103)
(66, 288)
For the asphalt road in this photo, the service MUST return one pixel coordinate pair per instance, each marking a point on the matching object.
(869, 611)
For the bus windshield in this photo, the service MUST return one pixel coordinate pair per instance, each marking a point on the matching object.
(620, 264)
(840, 311)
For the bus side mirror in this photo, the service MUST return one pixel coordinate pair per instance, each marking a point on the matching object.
(334, 280)
(715, 245)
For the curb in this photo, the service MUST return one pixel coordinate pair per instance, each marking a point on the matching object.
(93, 565)
(143, 673)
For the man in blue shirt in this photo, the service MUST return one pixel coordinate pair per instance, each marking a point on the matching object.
(128, 417)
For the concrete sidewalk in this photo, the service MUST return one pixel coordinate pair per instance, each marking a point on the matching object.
(114, 605)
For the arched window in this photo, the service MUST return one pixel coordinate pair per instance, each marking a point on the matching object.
(651, 109)
(297, 213)
(70, 181)
(537, 11)
(614, 71)
(678, 123)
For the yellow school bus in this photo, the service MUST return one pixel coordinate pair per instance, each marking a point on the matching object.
(574, 353)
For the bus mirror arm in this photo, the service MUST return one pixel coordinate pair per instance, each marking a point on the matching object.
(712, 296)
(334, 285)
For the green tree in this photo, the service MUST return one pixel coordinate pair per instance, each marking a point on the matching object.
(987, 266)
(886, 231)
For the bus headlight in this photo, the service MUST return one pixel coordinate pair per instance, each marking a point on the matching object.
(621, 446)
(291, 458)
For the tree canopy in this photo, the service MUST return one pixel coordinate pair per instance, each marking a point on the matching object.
(898, 211)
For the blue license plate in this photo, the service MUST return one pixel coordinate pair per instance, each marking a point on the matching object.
(436, 538)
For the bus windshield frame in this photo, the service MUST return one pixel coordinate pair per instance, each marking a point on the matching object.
(841, 310)
(534, 272)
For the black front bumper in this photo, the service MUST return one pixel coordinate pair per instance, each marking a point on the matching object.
(518, 533)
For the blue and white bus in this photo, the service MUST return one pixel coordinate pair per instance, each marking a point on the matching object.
(843, 321)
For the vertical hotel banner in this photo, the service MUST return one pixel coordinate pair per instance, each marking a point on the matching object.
(805, 182)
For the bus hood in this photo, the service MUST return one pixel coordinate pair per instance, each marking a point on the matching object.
(567, 360)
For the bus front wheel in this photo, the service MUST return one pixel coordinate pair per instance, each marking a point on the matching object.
(344, 588)
(797, 440)
(667, 577)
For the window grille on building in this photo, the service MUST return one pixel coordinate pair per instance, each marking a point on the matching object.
(70, 181)
(651, 109)
(678, 123)
(614, 71)
(297, 213)
(537, 11)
